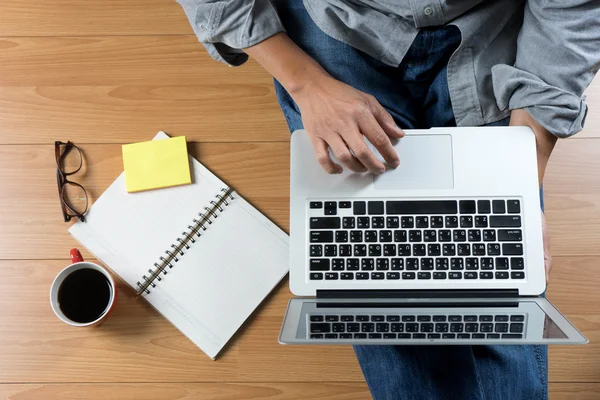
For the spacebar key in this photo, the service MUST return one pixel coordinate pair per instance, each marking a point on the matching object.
(421, 207)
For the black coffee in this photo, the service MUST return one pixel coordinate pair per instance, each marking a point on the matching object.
(84, 295)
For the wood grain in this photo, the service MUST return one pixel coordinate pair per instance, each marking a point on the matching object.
(121, 89)
(92, 17)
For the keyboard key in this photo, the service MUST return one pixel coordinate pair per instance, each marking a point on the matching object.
(429, 235)
(363, 318)
(316, 276)
(316, 318)
(348, 222)
(455, 275)
(389, 250)
(331, 211)
(493, 249)
(501, 318)
(516, 327)
(463, 336)
(414, 236)
(375, 336)
(345, 204)
(442, 327)
(316, 336)
(471, 327)
(455, 318)
(382, 264)
(478, 249)
(517, 318)
(315, 204)
(360, 250)
(423, 275)
(316, 250)
(377, 318)
(470, 275)
(412, 264)
(385, 236)
(409, 318)
(332, 318)
(367, 264)
(422, 222)
(408, 275)
(467, 206)
(352, 264)
(397, 327)
(330, 276)
(321, 236)
(362, 276)
(498, 206)
(407, 336)
(347, 318)
(437, 222)
(485, 328)
(513, 206)
(487, 263)
(505, 221)
(470, 318)
(421, 207)
(439, 318)
(392, 318)
(397, 264)
(367, 327)
(377, 275)
(419, 250)
(512, 249)
(376, 208)
(486, 275)
(377, 222)
(463, 249)
(345, 250)
(389, 336)
(442, 264)
(449, 249)
(501, 263)
(493, 336)
(426, 264)
(426, 327)
(471, 263)
(374, 250)
(341, 236)
(517, 263)
(474, 235)
(393, 275)
(483, 206)
(325, 223)
(423, 318)
(456, 327)
(508, 235)
(337, 264)
(445, 235)
(404, 250)
(478, 336)
(353, 327)
(486, 318)
(356, 236)
(345, 336)
(320, 328)
(456, 264)
(359, 208)
(481, 221)
(382, 327)
(408, 222)
(330, 250)
(363, 222)
(512, 336)
(399, 236)
(346, 276)
(451, 222)
(392, 222)
(517, 275)
(501, 275)
(434, 336)
(360, 336)
(489, 235)
(331, 336)
(466, 221)
(459, 235)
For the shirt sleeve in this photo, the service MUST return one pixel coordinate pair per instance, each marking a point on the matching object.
(558, 54)
(224, 27)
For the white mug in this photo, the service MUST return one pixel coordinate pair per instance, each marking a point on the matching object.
(78, 264)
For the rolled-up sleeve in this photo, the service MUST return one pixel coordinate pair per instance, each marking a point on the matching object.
(558, 54)
(224, 27)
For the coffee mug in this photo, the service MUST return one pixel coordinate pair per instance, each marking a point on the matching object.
(82, 294)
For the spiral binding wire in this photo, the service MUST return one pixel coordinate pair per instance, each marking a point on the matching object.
(184, 242)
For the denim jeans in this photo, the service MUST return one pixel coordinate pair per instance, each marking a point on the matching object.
(416, 95)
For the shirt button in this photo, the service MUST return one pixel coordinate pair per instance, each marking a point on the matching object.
(428, 10)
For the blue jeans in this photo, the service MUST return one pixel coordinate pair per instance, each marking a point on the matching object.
(416, 95)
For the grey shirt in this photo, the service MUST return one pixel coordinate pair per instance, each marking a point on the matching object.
(535, 54)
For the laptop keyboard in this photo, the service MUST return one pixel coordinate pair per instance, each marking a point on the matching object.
(416, 240)
(437, 326)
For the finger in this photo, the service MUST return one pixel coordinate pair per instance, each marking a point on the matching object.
(386, 121)
(322, 153)
(373, 131)
(356, 142)
(343, 154)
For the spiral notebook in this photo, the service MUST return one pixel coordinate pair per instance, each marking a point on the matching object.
(199, 254)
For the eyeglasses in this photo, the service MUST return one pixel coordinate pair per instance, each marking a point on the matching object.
(73, 197)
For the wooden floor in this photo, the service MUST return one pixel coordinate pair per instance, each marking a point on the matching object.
(106, 72)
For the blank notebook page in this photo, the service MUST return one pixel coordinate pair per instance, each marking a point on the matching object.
(218, 282)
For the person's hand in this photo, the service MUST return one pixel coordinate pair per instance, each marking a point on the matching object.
(337, 116)
(547, 255)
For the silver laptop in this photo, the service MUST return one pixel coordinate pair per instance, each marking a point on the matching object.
(445, 249)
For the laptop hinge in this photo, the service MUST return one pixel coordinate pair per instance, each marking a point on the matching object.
(416, 293)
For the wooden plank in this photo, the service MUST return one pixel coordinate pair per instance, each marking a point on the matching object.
(570, 391)
(137, 345)
(188, 391)
(30, 212)
(121, 89)
(93, 17)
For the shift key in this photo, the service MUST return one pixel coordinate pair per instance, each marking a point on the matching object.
(505, 221)
(321, 236)
(510, 235)
(325, 223)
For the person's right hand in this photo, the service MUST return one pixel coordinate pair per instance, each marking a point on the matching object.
(337, 116)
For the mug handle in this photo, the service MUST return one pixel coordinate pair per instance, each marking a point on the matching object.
(75, 256)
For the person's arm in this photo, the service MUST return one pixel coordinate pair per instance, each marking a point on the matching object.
(558, 54)
(334, 114)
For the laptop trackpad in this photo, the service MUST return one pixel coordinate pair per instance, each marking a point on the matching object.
(425, 163)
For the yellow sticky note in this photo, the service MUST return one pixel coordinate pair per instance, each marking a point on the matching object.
(156, 164)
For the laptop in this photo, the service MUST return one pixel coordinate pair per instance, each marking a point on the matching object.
(445, 249)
